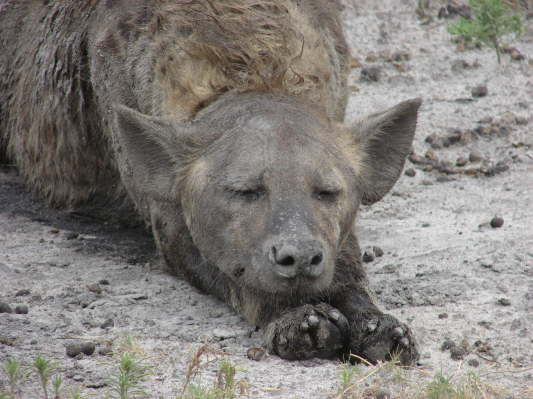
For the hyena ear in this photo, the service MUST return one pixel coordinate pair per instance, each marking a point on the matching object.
(151, 147)
(384, 141)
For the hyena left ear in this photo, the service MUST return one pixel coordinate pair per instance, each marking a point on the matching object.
(384, 140)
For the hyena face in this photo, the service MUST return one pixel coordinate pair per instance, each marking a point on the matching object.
(267, 186)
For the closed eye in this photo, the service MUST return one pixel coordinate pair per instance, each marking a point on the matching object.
(247, 194)
(327, 195)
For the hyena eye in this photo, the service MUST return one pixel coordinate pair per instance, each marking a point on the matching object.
(247, 194)
(327, 195)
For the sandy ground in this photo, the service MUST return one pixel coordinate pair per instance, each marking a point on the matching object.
(445, 270)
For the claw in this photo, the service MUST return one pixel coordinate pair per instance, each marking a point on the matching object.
(397, 332)
(304, 326)
(334, 315)
(313, 321)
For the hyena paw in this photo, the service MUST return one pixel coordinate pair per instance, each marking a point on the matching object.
(308, 331)
(385, 338)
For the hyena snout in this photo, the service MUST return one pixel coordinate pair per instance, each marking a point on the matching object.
(292, 258)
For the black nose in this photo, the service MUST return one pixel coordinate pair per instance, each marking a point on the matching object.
(291, 259)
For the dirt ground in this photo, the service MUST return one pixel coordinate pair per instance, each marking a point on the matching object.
(445, 270)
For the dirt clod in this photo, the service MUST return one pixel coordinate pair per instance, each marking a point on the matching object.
(496, 222)
(107, 323)
(71, 236)
(371, 73)
(21, 309)
(479, 91)
(5, 308)
(504, 302)
(457, 353)
(95, 288)
(447, 345)
(75, 348)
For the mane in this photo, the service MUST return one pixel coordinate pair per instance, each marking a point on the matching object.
(210, 47)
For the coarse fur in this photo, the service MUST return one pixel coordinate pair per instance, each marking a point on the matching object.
(221, 123)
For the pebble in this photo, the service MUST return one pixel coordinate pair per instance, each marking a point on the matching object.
(54, 231)
(256, 354)
(496, 222)
(75, 348)
(368, 256)
(475, 156)
(103, 282)
(504, 302)
(5, 308)
(480, 91)
(23, 292)
(521, 120)
(21, 309)
(473, 362)
(410, 172)
(443, 315)
(461, 161)
(371, 73)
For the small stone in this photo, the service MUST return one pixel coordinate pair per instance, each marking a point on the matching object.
(457, 353)
(443, 315)
(371, 73)
(107, 323)
(480, 91)
(454, 137)
(473, 363)
(23, 292)
(475, 156)
(378, 252)
(504, 302)
(447, 344)
(256, 354)
(496, 222)
(368, 256)
(21, 309)
(71, 236)
(461, 161)
(78, 378)
(410, 172)
(54, 231)
(103, 282)
(5, 308)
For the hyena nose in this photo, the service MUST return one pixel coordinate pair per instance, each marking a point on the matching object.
(293, 259)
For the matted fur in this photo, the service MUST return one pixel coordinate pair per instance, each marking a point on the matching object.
(64, 64)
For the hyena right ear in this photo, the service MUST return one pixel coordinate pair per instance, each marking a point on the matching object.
(151, 147)
(384, 141)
